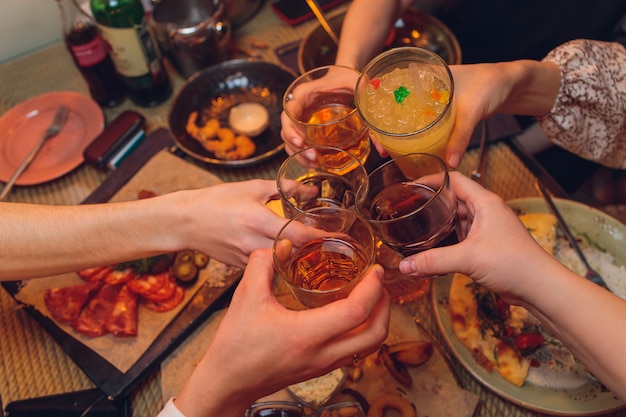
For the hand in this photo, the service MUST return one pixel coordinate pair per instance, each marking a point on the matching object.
(268, 347)
(228, 221)
(498, 252)
(310, 93)
(479, 90)
(522, 87)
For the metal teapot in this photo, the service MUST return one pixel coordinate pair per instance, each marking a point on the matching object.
(193, 34)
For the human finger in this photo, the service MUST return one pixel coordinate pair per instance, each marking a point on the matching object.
(460, 136)
(290, 135)
(378, 146)
(355, 325)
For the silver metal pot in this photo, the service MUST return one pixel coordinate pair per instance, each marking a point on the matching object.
(240, 11)
(193, 34)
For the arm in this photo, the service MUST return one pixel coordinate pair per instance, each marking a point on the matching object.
(365, 29)
(269, 347)
(584, 316)
(577, 92)
(521, 87)
(226, 221)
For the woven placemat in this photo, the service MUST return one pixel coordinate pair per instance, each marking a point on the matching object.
(31, 363)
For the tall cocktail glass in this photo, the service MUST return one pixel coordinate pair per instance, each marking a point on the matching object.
(320, 103)
(404, 95)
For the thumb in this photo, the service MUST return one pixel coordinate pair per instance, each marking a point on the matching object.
(437, 261)
(258, 277)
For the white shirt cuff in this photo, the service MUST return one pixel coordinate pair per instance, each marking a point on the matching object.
(170, 410)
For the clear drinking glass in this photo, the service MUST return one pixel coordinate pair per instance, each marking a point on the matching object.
(343, 409)
(275, 409)
(329, 181)
(404, 95)
(322, 253)
(412, 207)
(321, 105)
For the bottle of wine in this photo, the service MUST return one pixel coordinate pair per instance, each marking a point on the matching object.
(135, 53)
(90, 55)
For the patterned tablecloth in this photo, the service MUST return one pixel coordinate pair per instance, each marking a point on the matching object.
(31, 363)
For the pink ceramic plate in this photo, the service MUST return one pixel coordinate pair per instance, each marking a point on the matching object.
(23, 125)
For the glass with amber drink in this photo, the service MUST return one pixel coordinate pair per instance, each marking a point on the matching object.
(320, 103)
(412, 207)
(327, 252)
(331, 180)
(404, 95)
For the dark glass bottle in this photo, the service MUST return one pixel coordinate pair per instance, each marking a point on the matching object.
(134, 50)
(90, 55)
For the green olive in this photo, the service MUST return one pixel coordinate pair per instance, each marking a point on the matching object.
(184, 256)
(185, 271)
(200, 259)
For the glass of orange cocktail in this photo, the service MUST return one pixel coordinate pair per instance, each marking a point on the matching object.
(405, 97)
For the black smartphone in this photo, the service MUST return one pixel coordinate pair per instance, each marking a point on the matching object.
(294, 12)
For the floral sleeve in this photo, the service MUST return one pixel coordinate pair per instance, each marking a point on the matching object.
(589, 115)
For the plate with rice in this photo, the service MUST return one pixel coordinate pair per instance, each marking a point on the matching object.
(602, 238)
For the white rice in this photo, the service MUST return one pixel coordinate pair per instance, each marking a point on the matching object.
(603, 262)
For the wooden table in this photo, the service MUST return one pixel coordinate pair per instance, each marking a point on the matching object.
(31, 363)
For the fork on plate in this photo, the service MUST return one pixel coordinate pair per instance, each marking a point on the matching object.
(591, 274)
(55, 127)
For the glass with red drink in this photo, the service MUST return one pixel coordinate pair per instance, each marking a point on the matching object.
(412, 207)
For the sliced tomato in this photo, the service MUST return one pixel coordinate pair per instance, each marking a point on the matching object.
(168, 304)
(119, 277)
(148, 283)
(94, 274)
(528, 341)
(165, 292)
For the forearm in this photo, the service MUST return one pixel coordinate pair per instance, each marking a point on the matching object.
(365, 29)
(210, 392)
(592, 330)
(533, 87)
(39, 240)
